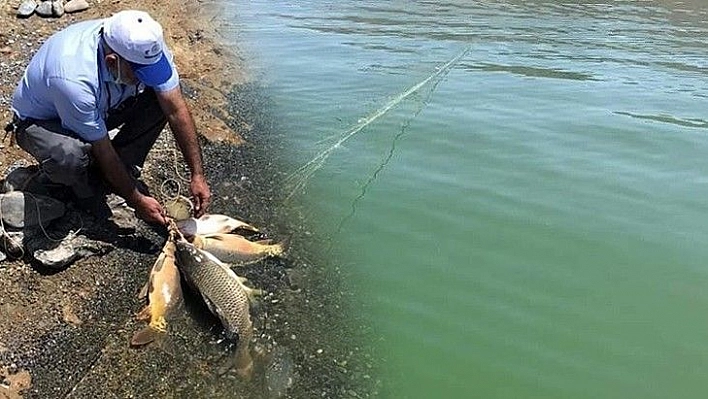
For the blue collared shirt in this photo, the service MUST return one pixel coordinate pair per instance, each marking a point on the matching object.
(68, 79)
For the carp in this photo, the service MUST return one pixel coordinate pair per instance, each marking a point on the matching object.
(212, 224)
(225, 295)
(236, 249)
(164, 294)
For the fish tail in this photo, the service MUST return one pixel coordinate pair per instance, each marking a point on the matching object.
(244, 362)
(145, 314)
(279, 248)
(145, 336)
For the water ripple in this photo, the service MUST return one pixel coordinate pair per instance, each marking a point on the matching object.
(691, 122)
(530, 71)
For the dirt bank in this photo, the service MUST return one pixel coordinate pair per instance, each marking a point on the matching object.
(44, 314)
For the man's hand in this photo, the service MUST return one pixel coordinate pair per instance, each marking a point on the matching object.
(149, 210)
(200, 195)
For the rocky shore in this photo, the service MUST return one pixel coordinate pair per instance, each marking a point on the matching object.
(44, 312)
(65, 333)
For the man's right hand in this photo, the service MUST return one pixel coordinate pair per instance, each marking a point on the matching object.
(149, 210)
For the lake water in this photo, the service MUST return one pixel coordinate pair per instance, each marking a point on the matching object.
(515, 192)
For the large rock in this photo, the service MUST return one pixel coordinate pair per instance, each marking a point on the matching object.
(26, 8)
(76, 5)
(19, 209)
(44, 9)
(58, 8)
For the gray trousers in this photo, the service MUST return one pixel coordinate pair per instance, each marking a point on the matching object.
(66, 159)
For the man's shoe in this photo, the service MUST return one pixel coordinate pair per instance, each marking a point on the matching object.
(95, 206)
(33, 180)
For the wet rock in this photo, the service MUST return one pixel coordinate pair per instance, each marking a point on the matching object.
(58, 8)
(19, 209)
(295, 279)
(76, 5)
(26, 8)
(44, 9)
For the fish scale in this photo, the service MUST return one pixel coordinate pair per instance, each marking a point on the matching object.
(217, 284)
(223, 290)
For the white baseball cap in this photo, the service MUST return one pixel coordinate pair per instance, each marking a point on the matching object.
(137, 38)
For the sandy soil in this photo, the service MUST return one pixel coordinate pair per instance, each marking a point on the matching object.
(35, 303)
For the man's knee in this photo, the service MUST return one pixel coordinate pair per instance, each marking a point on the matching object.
(66, 164)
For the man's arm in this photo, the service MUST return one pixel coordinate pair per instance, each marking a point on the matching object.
(117, 176)
(180, 119)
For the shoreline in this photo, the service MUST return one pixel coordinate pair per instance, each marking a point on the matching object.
(65, 333)
(43, 314)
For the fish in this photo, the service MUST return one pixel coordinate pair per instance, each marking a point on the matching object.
(164, 294)
(236, 249)
(225, 294)
(212, 224)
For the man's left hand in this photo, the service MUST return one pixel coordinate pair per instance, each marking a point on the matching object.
(200, 195)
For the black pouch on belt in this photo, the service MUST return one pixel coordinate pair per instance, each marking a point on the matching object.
(12, 128)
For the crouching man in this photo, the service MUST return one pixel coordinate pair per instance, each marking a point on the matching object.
(95, 76)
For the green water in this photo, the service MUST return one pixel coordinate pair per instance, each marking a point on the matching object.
(531, 223)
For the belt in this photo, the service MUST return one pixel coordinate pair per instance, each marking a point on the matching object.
(15, 124)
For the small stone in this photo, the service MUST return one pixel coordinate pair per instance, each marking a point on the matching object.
(70, 317)
(124, 217)
(44, 9)
(76, 5)
(58, 8)
(5, 50)
(57, 258)
(26, 8)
